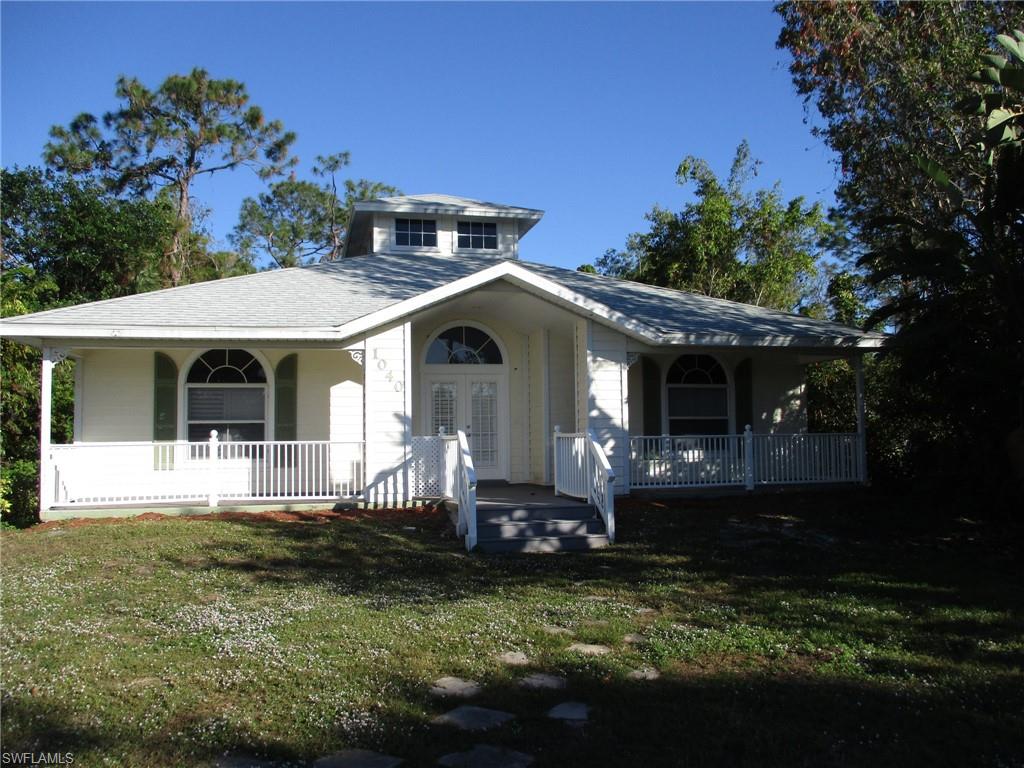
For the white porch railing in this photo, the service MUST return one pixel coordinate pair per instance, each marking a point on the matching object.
(442, 466)
(204, 472)
(582, 470)
(807, 458)
(465, 488)
(744, 460)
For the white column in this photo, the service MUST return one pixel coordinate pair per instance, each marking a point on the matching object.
(862, 454)
(45, 407)
(387, 379)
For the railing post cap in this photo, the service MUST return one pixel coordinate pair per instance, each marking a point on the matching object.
(557, 428)
(747, 428)
(213, 434)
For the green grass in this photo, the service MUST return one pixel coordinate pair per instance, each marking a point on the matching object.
(813, 629)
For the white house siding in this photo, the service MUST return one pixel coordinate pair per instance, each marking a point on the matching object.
(777, 383)
(346, 398)
(447, 241)
(388, 414)
(116, 395)
(539, 400)
(327, 381)
(608, 397)
(780, 400)
(562, 382)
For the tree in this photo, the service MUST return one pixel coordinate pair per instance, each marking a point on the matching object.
(190, 126)
(78, 237)
(729, 243)
(932, 194)
(299, 222)
(64, 241)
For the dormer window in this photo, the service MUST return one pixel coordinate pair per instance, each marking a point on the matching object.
(478, 234)
(416, 233)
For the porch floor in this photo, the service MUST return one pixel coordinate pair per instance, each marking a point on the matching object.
(497, 494)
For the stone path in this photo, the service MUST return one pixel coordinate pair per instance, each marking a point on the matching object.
(541, 681)
(243, 761)
(483, 756)
(514, 659)
(468, 718)
(553, 630)
(590, 650)
(633, 639)
(570, 711)
(455, 687)
(357, 758)
(644, 673)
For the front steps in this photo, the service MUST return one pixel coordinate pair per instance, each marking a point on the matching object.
(539, 528)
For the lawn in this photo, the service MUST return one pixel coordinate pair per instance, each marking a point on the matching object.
(798, 629)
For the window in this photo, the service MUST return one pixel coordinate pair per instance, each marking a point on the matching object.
(478, 234)
(463, 345)
(226, 390)
(419, 233)
(698, 397)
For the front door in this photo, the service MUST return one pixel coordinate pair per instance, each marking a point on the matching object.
(476, 404)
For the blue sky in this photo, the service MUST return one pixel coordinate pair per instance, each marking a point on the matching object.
(582, 110)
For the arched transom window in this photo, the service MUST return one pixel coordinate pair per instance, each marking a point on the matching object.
(463, 345)
(698, 396)
(226, 390)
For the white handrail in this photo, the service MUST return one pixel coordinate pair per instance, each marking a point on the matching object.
(602, 484)
(746, 460)
(210, 472)
(466, 487)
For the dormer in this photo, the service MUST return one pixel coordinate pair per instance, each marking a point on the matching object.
(439, 225)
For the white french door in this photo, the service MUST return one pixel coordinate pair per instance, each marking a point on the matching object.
(478, 404)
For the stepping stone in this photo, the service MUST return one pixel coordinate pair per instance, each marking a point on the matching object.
(514, 659)
(540, 681)
(645, 611)
(553, 630)
(633, 639)
(455, 686)
(483, 756)
(596, 623)
(357, 758)
(590, 650)
(572, 711)
(596, 598)
(243, 761)
(467, 718)
(644, 673)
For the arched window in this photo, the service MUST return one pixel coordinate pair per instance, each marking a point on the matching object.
(463, 345)
(226, 390)
(698, 397)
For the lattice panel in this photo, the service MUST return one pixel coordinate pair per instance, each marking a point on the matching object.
(425, 468)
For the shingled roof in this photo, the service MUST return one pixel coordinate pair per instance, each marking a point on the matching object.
(326, 299)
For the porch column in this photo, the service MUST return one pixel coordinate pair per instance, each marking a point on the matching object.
(387, 423)
(862, 454)
(51, 355)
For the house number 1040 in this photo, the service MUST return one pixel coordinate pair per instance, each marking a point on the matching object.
(389, 374)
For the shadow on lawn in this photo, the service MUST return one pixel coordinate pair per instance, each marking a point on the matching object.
(940, 593)
(686, 719)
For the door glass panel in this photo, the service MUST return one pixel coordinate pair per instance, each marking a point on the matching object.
(442, 407)
(484, 423)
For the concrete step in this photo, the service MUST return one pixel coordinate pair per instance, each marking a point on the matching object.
(537, 528)
(528, 513)
(543, 543)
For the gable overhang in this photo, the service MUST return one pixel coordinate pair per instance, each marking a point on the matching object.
(37, 334)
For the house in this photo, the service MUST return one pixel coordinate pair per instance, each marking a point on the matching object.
(430, 357)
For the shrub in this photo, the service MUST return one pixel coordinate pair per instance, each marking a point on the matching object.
(19, 493)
